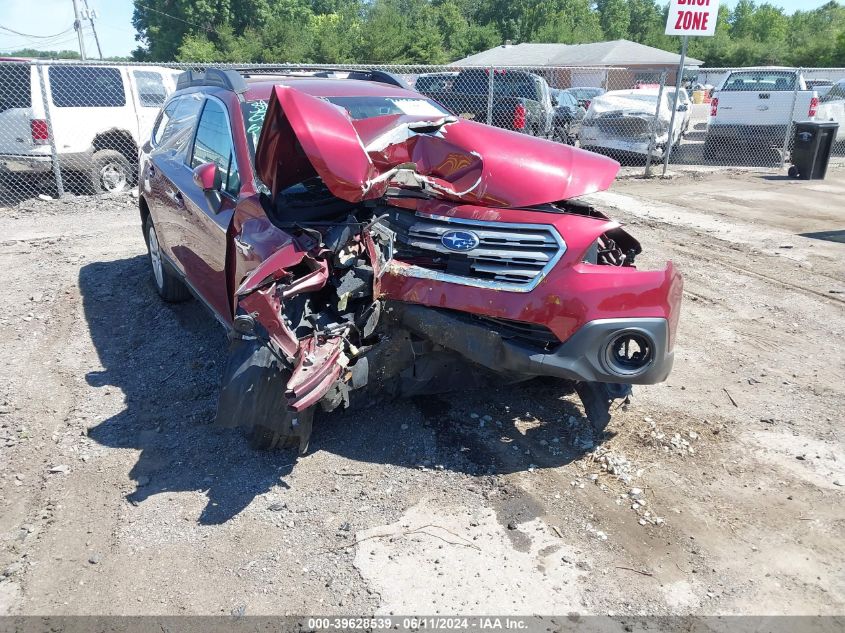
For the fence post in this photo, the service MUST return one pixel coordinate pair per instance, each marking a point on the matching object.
(653, 138)
(667, 151)
(54, 156)
(788, 134)
(490, 96)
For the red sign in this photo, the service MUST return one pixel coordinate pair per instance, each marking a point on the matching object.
(692, 17)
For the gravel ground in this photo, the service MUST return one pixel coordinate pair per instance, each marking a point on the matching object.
(718, 492)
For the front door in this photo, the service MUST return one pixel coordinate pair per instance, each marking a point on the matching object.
(206, 224)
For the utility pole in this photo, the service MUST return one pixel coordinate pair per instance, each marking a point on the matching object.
(77, 24)
(90, 15)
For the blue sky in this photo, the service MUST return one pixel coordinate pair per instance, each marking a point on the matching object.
(51, 17)
(114, 25)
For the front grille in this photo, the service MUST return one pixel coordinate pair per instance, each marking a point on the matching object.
(511, 256)
(527, 332)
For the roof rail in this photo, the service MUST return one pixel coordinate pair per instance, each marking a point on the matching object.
(379, 76)
(227, 79)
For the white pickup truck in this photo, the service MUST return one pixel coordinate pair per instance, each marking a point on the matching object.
(755, 106)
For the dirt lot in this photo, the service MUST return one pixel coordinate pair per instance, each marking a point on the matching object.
(720, 491)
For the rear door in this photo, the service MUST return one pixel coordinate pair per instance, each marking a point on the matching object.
(16, 83)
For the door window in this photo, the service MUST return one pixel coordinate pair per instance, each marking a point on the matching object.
(15, 89)
(86, 87)
(213, 144)
(175, 125)
(151, 90)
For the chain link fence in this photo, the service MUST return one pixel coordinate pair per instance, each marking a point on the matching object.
(78, 127)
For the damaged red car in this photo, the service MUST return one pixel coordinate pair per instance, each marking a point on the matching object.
(360, 242)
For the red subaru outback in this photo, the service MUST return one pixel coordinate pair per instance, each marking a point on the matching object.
(360, 241)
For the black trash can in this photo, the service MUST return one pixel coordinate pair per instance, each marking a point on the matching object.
(811, 148)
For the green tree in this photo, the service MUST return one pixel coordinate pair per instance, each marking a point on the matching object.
(31, 52)
(336, 37)
(646, 21)
(615, 18)
(575, 22)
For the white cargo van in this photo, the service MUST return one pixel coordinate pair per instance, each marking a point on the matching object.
(97, 113)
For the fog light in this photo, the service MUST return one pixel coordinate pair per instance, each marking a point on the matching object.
(628, 353)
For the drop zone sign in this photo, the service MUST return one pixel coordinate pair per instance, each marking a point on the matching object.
(692, 17)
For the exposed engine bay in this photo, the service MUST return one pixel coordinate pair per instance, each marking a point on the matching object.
(320, 323)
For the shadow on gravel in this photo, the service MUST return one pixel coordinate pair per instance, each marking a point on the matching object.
(167, 360)
(441, 431)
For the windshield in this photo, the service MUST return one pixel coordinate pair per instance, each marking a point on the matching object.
(585, 93)
(357, 108)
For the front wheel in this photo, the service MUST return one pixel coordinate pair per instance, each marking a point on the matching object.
(296, 434)
(597, 397)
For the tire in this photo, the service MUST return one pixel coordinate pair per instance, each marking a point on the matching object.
(597, 398)
(169, 286)
(111, 172)
(793, 172)
(709, 150)
(264, 438)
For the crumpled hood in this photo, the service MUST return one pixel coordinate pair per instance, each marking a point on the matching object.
(455, 159)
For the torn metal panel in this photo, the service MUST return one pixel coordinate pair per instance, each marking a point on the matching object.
(459, 160)
(304, 136)
(316, 307)
(319, 365)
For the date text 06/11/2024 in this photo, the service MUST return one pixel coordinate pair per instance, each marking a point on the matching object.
(427, 623)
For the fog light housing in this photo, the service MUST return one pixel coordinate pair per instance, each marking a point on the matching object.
(628, 353)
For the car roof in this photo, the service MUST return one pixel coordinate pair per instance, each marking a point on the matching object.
(260, 87)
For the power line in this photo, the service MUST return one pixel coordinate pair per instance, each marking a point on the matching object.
(149, 8)
(38, 44)
(44, 37)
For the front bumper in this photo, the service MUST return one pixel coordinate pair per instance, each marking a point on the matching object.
(582, 357)
(23, 164)
(602, 144)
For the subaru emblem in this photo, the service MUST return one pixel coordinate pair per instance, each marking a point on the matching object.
(460, 241)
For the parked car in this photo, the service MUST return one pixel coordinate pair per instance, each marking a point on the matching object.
(360, 242)
(585, 95)
(754, 107)
(521, 101)
(567, 118)
(832, 108)
(98, 114)
(434, 82)
(627, 123)
(821, 86)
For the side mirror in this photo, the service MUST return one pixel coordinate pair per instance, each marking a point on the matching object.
(207, 177)
(683, 107)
